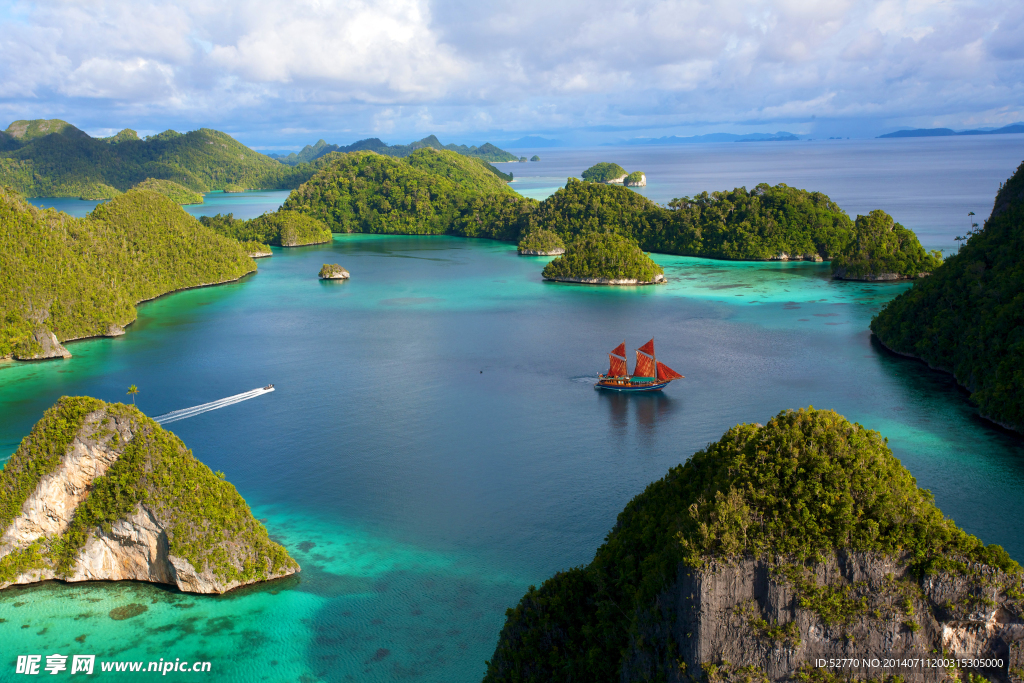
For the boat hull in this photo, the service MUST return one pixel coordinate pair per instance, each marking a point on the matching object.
(631, 387)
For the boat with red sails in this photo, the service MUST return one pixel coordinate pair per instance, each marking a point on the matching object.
(648, 373)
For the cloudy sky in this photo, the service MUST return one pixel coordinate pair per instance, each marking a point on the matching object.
(281, 74)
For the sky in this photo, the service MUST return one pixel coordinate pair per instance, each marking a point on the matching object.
(278, 75)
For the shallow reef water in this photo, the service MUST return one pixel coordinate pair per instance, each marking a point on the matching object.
(434, 444)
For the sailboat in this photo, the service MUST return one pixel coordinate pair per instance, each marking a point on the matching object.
(648, 373)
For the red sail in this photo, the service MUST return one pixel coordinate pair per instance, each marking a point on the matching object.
(666, 373)
(620, 350)
(644, 366)
(616, 366)
(648, 348)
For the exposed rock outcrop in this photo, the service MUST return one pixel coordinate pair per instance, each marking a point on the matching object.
(750, 614)
(783, 256)
(842, 274)
(540, 252)
(64, 527)
(635, 179)
(44, 344)
(798, 550)
(332, 271)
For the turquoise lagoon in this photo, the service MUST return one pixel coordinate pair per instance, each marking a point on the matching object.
(435, 446)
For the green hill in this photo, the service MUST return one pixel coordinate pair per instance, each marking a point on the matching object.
(806, 529)
(176, 193)
(738, 225)
(587, 207)
(966, 318)
(604, 257)
(280, 228)
(603, 172)
(542, 242)
(882, 249)
(62, 161)
(206, 538)
(430, 192)
(30, 130)
(485, 152)
(82, 277)
(438, 192)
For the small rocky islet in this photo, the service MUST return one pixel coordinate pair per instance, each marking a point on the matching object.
(100, 492)
(332, 271)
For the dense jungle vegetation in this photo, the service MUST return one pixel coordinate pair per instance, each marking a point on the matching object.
(804, 485)
(176, 193)
(880, 245)
(208, 522)
(430, 192)
(603, 172)
(363, 192)
(78, 277)
(62, 161)
(967, 318)
(280, 228)
(539, 239)
(603, 255)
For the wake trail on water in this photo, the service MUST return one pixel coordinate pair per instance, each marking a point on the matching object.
(185, 413)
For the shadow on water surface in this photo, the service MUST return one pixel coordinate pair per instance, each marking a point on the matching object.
(646, 409)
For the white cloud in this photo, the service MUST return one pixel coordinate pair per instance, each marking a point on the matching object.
(403, 66)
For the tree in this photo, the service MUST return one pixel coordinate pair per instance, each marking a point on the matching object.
(132, 391)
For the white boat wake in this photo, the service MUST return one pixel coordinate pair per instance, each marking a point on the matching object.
(185, 413)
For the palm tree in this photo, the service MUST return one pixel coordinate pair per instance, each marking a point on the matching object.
(132, 390)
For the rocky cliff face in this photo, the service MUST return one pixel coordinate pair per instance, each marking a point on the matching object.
(108, 506)
(766, 617)
(800, 551)
(44, 344)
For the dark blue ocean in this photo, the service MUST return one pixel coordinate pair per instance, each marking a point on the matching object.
(434, 444)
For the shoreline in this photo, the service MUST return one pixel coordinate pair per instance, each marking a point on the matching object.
(125, 326)
(658, 280)
(977, 411)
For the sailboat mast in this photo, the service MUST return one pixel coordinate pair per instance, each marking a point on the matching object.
(654, 355)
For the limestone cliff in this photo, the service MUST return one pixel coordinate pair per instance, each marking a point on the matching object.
(100, 492)
(42, 344)
(773, 549)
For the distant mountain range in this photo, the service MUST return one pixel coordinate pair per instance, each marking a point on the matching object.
(942, 132)
(485, 152)
(781, 136)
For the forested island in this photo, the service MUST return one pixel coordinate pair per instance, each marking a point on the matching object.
(541, 242)
(775, 547)
(55, 159)
(604, 258)
(485, 152)
(882, 249)
(279, 228)
(100, 492)
(64, 278)
(604, 172)
(966, 319)
(429, 192)
(440, 192)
